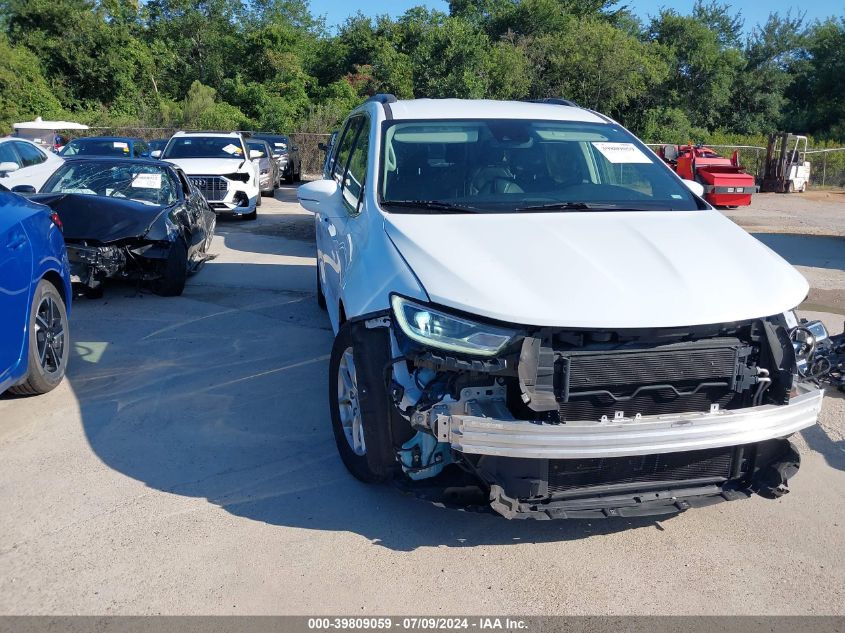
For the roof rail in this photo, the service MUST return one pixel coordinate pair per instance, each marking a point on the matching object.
(383, 98)
(556, 101)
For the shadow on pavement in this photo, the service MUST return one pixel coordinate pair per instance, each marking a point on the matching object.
(816, 251)
(221, 395)
(818, 438)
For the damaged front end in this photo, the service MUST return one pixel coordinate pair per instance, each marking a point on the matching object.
(131, 259)
(569, 423)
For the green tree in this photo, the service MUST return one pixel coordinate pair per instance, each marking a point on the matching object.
(703, 71)
(24, 91)
(597, 65)
(818, 93)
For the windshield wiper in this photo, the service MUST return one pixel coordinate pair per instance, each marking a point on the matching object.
(434, 205)
(577, 206)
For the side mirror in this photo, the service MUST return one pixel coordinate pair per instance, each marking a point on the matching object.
(8, 167)
(295, 148)
(24, 189)
(322, 147)
(320, 196)
(696, 187)
(255, 153)
(156, 153)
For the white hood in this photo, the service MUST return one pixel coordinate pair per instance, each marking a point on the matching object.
(596, 269)
(209, 166)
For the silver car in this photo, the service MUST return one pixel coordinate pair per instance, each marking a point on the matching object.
(268, 169)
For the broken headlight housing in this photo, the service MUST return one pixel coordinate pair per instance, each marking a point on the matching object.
(436, 328)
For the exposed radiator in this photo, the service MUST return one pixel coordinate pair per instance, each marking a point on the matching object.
(586, 384)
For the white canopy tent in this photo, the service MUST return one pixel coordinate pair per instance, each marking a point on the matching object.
(43, 132)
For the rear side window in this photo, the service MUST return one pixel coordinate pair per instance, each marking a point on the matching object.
(30, 155)
(8, 155)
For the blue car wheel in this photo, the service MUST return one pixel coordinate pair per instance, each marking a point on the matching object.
(49, 342)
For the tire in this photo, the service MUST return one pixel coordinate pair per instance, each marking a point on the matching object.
(298, 177)
(790, 188)
(359, 409)
(49, 336)
(321, 298)
(289, 177)
(175, 272)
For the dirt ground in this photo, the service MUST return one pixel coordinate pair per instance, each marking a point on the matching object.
(809, 231)
(816, 212)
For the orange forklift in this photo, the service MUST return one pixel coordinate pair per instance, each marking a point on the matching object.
(726, 184)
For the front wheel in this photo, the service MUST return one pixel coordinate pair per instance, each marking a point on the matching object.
(174, 272)
(48, 344)
(359, 410)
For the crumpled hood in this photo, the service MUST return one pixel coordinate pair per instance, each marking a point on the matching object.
(209, 166)
(105, 220)
(597, 269)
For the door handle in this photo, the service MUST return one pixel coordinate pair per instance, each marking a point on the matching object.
(16, 242)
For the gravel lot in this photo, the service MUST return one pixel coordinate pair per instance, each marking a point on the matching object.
(187, 466)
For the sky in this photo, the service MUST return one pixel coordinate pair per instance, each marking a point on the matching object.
(754, 11)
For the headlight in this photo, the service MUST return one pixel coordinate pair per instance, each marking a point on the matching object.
(432, 327)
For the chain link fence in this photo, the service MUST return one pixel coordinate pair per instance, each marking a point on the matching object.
(827, 166)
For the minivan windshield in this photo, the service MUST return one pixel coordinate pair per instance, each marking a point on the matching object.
(203, 147)
(522, 166)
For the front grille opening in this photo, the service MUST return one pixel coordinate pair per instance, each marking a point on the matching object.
(211, 187)
(704, 466)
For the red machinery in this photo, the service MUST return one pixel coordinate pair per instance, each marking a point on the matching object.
(726, 184)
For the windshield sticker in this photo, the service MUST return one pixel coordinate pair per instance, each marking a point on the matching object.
(146, 181)
(121, 145)
(621, 152)
(233, 149)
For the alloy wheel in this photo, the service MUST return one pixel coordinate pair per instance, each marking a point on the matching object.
(49, 335)
(348, 404)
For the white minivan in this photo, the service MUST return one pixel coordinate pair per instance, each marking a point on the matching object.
(531, 306)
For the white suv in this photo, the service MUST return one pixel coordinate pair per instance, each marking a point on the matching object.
(531, 306)
(219, 165)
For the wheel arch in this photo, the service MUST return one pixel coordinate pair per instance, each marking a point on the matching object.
(56, 279)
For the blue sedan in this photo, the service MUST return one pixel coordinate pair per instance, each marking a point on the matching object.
(35, 294)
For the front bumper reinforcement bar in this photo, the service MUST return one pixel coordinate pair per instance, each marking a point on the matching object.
(620, 436)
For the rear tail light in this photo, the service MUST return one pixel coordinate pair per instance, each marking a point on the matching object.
(56, 220)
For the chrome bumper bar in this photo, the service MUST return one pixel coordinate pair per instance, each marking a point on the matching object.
(622, 436)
